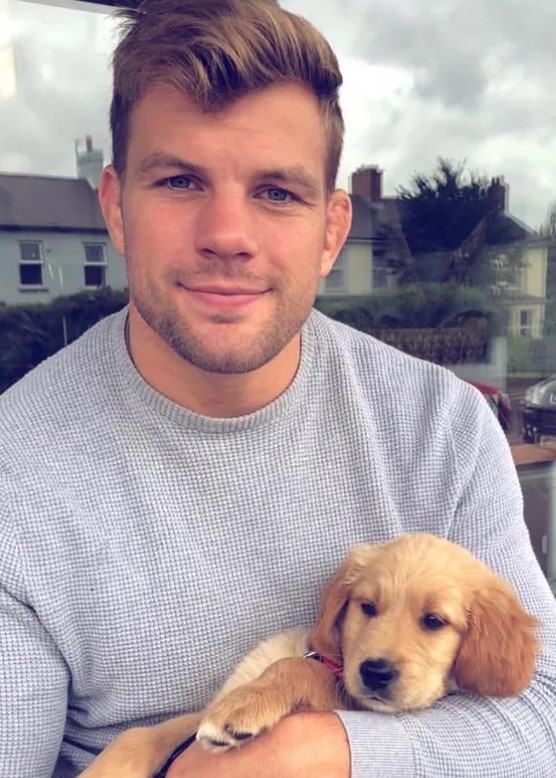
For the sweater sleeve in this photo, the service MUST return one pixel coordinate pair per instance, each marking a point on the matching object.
(33, 675)
(463, 735)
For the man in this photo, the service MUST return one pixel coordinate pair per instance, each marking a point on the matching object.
(180, 482)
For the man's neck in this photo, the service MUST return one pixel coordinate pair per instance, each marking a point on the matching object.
(216, 395)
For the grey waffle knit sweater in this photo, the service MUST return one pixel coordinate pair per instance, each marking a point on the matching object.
(144, 549)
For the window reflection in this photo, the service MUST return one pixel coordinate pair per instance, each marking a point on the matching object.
(452, 250)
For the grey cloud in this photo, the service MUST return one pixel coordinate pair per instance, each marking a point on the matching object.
(62, 89)
(483, 80)
(480, 71)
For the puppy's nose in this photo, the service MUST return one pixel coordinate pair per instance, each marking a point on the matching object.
(378, 674)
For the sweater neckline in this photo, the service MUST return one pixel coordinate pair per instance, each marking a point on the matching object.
(135, 385)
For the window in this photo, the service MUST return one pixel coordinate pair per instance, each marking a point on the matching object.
(438, 250)
(526, 323)
(95, 264)
(30, 263)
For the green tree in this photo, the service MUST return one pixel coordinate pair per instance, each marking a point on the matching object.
(451, 220)
(440, 211)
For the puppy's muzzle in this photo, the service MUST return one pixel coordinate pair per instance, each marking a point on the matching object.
(378, 675)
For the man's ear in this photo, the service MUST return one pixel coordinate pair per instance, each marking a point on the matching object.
(338, 223)
(109, 196)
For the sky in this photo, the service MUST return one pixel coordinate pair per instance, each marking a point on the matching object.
(469, 80)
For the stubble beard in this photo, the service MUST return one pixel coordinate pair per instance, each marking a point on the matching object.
(238, 357)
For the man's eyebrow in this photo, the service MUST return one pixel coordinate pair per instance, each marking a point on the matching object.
(292, 175)
(295, 175)
(162, 160)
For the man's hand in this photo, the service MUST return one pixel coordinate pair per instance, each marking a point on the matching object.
(303, 745)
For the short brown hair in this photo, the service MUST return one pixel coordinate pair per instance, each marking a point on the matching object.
(216, 51)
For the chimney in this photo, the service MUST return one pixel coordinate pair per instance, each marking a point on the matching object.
(500, 191)
(89, 161)
(367, 181)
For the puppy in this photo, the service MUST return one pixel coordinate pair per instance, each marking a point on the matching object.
(401, 624)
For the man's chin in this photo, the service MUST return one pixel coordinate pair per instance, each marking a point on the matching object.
(226, 360)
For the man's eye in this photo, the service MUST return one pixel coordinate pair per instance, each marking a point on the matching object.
(278, 195)
(179, 182)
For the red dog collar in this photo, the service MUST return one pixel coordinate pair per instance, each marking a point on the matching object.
(336, 670)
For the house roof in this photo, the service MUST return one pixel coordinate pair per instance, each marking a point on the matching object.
(372, 217)
(70, 204)
(47, 202)
(507, 229)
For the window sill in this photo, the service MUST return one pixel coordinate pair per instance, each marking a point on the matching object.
(31, 288)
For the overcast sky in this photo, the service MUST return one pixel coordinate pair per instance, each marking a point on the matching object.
(464, 79)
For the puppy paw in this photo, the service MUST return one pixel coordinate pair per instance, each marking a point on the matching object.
(237, 718)
(215, 738)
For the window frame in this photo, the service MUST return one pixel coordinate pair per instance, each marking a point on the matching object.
(522, 453)
(23, 286)
(94, 263)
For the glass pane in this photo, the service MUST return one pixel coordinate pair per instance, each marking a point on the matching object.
(94, 275)
(452, 250)
(30, 275)
(54, 100)
(30, 252)
(94, 252)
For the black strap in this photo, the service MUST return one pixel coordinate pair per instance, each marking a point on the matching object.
(174, 755)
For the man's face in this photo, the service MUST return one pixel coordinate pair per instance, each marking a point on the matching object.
(225, 223)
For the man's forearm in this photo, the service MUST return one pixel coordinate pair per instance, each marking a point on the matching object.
(304, 745)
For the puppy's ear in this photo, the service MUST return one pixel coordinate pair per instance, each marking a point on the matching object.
(325, 638)
(498, 651)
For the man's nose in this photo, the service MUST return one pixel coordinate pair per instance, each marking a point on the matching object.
(226, 228)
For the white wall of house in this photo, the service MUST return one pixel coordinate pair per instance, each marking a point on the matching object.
(353, 272)
(527, 318)
(37, 266)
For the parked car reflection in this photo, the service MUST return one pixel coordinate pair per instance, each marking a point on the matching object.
(538, 413)
(498, 401)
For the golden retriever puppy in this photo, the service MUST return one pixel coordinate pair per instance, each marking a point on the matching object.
(401, 624)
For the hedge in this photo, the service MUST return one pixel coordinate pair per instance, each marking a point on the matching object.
(31, 333)
(420, 321)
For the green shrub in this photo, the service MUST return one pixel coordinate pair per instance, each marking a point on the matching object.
(414, 305)
(444, 323)
(31, 333)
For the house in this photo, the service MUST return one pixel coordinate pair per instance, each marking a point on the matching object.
(360, 266)
(53, 240)
(520, 285)
(376, 252)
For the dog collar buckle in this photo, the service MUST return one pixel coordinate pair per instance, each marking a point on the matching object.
(336, 670)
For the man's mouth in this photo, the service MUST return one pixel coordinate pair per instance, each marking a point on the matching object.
(217, 296)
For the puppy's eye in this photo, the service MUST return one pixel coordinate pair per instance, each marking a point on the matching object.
(368, 608)
(432, 622)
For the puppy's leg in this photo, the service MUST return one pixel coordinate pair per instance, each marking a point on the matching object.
(140, 752)
(286, 686)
